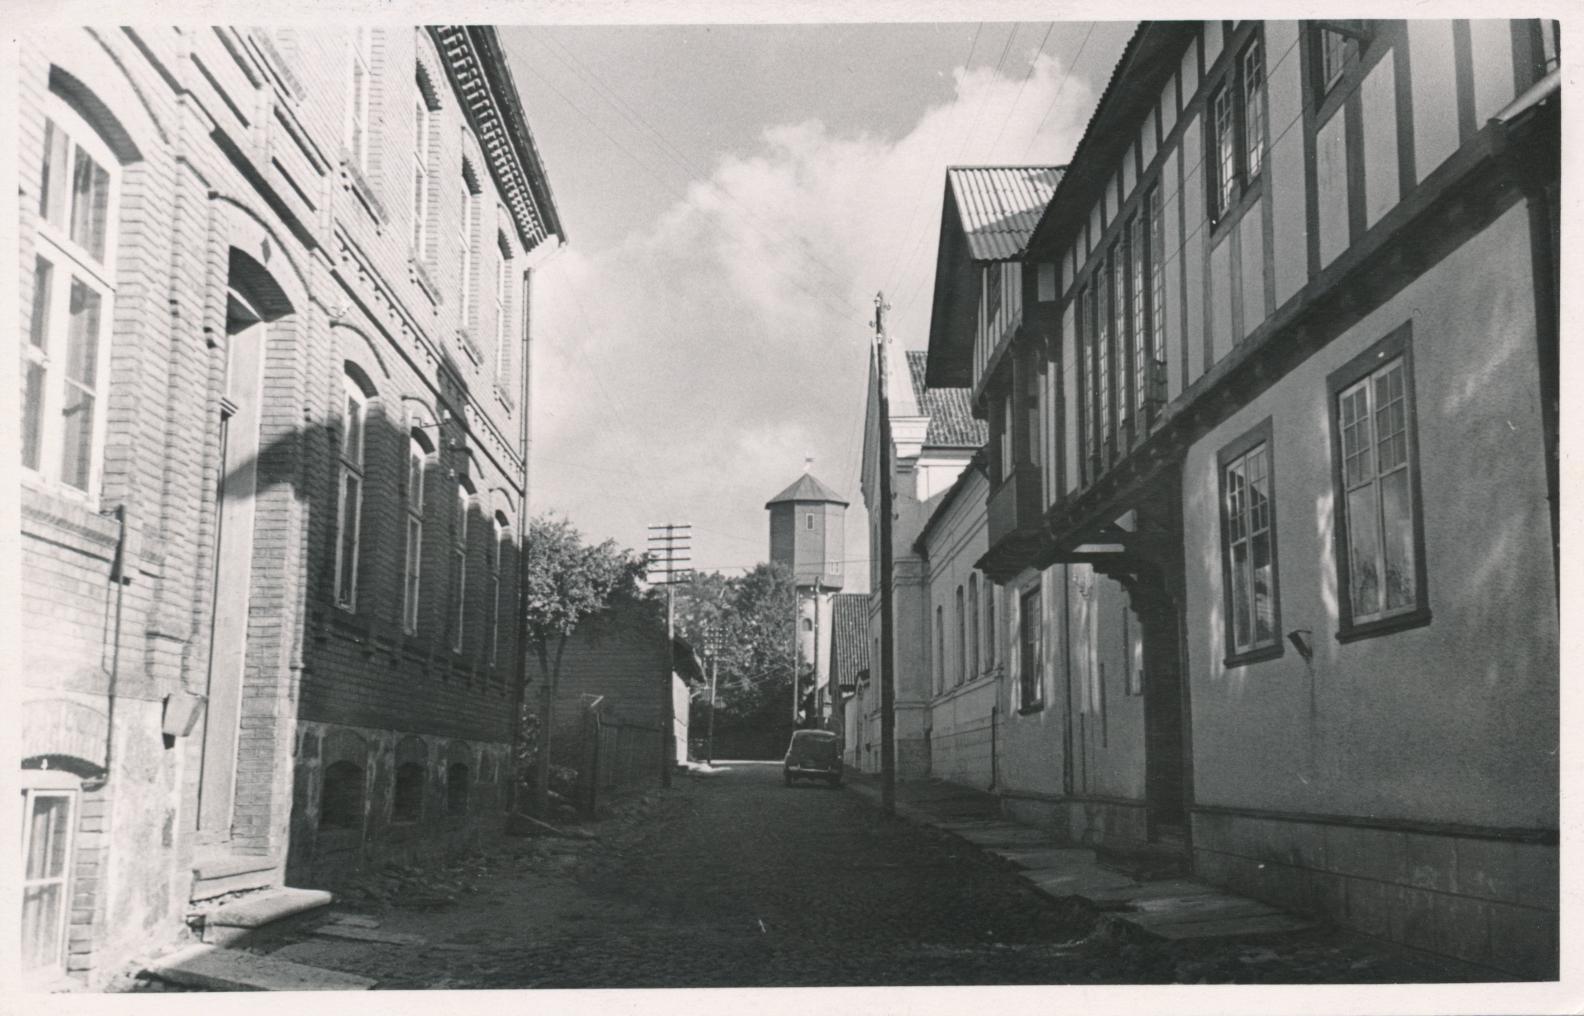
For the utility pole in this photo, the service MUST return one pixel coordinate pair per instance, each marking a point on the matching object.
(669, 559)
(887, 621)
(712, 647)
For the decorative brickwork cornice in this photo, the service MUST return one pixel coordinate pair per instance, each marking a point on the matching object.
(479, 74)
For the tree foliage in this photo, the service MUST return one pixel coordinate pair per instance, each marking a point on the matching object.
(754, 613)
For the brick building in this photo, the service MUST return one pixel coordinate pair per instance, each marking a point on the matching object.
(273, 317)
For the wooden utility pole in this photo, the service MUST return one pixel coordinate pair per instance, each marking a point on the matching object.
(887, 620)
(668, 545)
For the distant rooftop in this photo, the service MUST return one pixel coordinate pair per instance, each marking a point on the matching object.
(952, 423)
(807, 489)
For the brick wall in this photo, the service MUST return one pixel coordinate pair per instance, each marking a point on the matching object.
(229, 140)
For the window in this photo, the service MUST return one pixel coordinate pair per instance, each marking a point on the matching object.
(1156, 256)
(418, 453)
(407, 797)
(497, 556)
(808, 521)
(502, 291)
(940, 652)
(49, 818)
(992, 276)
(350, 493)
(423, 127)
(1139, 352)
(459, 549)
(361, 59)
(962, 639)
(65, 354)
(1029, 661)
(808, 624)
(1089, 461)
(466, 224)
(457, 788)
(1237, 131)
(1031, 409)
(989, 626)
(973, 626)
(1008, 463)
(1248, 547)
(1330, 50)
(341, 796)
(1380, 532)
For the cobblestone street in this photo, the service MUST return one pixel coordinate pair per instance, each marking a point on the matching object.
(733, 880)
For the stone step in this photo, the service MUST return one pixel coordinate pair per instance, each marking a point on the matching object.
(208, 968)
(231, 921)
(231, 874)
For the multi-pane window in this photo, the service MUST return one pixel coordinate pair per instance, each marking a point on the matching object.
(940, 651)
(1157, 307)
(412, 564)
(989, 627)
(1116, 350)
(1008, 463)
(1139, 362)
(1101, 359)
(459, 567)
(1031, 686)
(349, 510)
(48, 819)
(1330, 57)
(423, 131)
(1087, 371)
(1379, 514)
(992, 277)
(497, 558)
(65, 351)
(361, 59)
(464, 241)
(962, 639)
(502, 296)
(1248, 521)
(973, 625)
(1237, 130)
(1031, 411)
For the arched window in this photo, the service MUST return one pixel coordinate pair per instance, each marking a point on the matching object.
(407, 799)
(940, 652)
(349, 508)
(962, 640)
(497, 558)
(418, 453)
(990, 625)
(66, 356)
(457, 788)
(49, 817)
(459, 565)
(973, 625)
(341, 796)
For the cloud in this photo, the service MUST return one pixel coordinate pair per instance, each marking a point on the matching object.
(685, 373)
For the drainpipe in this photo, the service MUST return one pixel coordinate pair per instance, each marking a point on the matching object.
(118, 576)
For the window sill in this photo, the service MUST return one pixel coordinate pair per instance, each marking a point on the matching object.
(1384, 626)
(1261, 654)
(364, 190)
(470, 346)
(421, 276)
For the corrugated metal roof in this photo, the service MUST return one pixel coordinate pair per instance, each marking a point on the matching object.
(1000, 206)
(951, 419)
(806, 489)
(849, 638)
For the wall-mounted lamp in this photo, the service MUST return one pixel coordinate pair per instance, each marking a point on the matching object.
(1299, 637)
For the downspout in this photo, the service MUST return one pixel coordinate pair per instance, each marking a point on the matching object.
(118, 576)
(520, 694)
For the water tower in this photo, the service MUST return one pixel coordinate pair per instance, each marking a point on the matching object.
(807, 537)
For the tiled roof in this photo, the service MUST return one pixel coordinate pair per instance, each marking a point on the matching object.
(849, 638)
(952, 423)
(807, 489)
(1000, 205)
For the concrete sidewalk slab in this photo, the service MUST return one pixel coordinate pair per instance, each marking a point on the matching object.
(209, 968)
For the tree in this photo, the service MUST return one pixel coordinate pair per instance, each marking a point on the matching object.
(566, 582)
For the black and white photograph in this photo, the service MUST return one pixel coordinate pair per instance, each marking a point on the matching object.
(599, 501)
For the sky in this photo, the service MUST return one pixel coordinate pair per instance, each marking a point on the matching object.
(734, 197)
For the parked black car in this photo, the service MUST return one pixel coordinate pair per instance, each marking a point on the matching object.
(813, 754)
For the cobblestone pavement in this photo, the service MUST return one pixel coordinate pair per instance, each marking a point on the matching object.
(735, 880)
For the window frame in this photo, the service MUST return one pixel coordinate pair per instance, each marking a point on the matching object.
(38, 783)
(990, 629)
(69, 262)
(500, 531)
(1395, 347)
(1031, 683)
(423, 169)
(973, 626)
(418, 461)
(360, 50)
(502, 298)
(940, 649)
(1227, 197)
(962, 638)
(467, 232)
(344, 591)
(459, 562)
(1259, 436)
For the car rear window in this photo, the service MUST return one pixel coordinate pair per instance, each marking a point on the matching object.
(804, 736)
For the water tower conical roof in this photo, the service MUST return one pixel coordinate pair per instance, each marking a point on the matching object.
(807, 490)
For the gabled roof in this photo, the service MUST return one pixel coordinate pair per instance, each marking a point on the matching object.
(849, 638)
(999, 206)
(988, 215)
(951, 419)
(807, 489)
